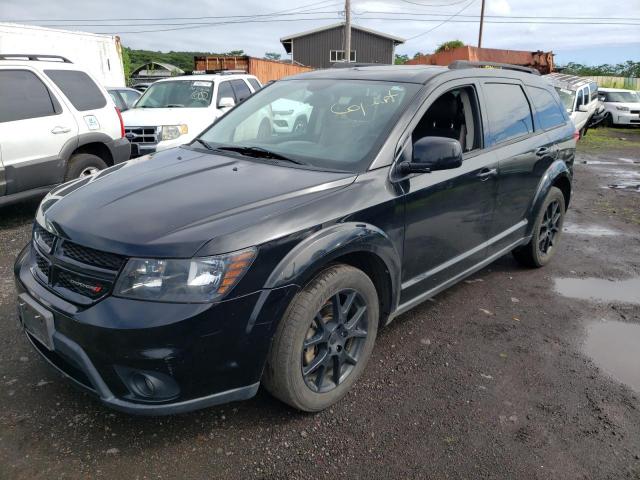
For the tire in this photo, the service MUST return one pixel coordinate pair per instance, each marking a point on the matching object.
(83, 164)
(300, 124)
(309, 319)
(264, 130)
(608, 120)
(547, 231)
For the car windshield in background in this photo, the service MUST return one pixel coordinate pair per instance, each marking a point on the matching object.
(345, 122)
(622, 97)
(178, 94)
(567, 97)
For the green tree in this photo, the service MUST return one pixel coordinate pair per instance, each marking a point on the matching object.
(235, 53)
(126, 63)
(450, 45)
(272, 56)
(401, 59)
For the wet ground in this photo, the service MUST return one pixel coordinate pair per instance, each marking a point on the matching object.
(514, 373)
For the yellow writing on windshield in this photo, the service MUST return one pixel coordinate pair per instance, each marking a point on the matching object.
(337, 109)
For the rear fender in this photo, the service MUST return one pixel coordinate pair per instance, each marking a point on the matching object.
(556, 170)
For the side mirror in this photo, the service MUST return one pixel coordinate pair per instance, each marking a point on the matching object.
(433, 153)
(226, 102)
(583, 108)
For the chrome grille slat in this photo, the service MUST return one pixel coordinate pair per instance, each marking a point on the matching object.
(142, 135)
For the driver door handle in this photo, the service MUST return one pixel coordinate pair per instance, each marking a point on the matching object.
(58, 130)
(487, 173)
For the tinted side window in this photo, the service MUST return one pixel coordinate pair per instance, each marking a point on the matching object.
(254, 83)
(225, 90)
(241, 89)
(508, 110)
(549, 112)
(78, 88)
(23, 95)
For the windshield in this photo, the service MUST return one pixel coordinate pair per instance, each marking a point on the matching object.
(621, 97)
(178, 94)
(567, 97)
(328, 124)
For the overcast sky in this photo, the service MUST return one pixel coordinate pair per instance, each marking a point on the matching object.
(592, 44)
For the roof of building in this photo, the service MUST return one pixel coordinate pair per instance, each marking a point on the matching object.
(164, 66)
(396, 40)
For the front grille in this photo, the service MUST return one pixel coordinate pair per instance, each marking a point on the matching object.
(146, 135)
(77, 273)
(43, 266)
(82, 285)
(44, 238)
(635, 111)
(90, 256)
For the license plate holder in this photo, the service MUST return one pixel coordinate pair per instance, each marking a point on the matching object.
(36, 320)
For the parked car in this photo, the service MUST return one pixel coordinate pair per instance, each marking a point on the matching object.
(290, 115)
(173, 111)
(622, 107)
(124, 98)
(56, 124)
(142, 86)
(238, 260)
(579, 96)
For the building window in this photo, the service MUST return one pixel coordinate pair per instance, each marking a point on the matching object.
(338, 56)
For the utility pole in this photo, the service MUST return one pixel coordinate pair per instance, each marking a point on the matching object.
(481, 24)
(347, 30)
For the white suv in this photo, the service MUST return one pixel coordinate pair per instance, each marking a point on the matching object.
(173, 111)
(622, 106)
(56, 124)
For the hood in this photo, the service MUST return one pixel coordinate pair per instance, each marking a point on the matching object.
(196, 118)
(172, 203)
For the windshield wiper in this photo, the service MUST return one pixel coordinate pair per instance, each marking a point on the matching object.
(206, 144)
(258, 152)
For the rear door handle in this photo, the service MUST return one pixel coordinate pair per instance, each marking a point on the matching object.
(58, 130)
(487, 173)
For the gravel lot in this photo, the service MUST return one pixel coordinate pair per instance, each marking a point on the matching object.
(488, 380)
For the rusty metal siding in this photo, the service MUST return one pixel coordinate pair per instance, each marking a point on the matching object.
(313, 49)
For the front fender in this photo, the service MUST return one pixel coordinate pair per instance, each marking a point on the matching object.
(556, 171)
(324, 246)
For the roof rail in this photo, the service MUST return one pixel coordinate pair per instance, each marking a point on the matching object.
(458, 64)
(354, 64)
(33, 57)
(219, 71)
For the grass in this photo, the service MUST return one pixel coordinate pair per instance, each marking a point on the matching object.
(608, 138)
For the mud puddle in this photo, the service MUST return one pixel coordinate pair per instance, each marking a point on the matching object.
(613, 346)
(591, 230)
(600, 290)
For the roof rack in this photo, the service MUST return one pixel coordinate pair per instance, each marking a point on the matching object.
(458, 64)
(354, 64)
(219, 71)
(33, 57)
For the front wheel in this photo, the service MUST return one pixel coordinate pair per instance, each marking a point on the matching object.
(547, 230)
(324, 340)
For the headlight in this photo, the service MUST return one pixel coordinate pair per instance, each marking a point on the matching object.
(623, 109)
(171, 132)
(192, 280)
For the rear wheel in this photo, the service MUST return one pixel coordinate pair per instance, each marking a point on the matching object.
(547, 231)
(324, 340)
(82, 165)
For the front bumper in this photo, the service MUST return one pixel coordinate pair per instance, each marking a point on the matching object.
(626, 118)
(210, 353)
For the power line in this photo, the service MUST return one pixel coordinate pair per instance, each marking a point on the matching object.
(445, 21)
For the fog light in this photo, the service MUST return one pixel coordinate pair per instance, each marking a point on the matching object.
(148, 384)
(143, 385)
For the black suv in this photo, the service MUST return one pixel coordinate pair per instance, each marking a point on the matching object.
(186, 278)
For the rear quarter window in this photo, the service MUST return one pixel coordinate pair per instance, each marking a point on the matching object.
(78, 87)
(24, 96)
(508, 110)
(549, 112)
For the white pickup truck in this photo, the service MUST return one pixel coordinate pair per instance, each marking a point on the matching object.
(173, 111)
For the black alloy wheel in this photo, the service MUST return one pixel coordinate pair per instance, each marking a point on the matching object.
(334, 341)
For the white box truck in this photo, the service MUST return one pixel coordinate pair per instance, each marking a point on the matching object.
(100, 55)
